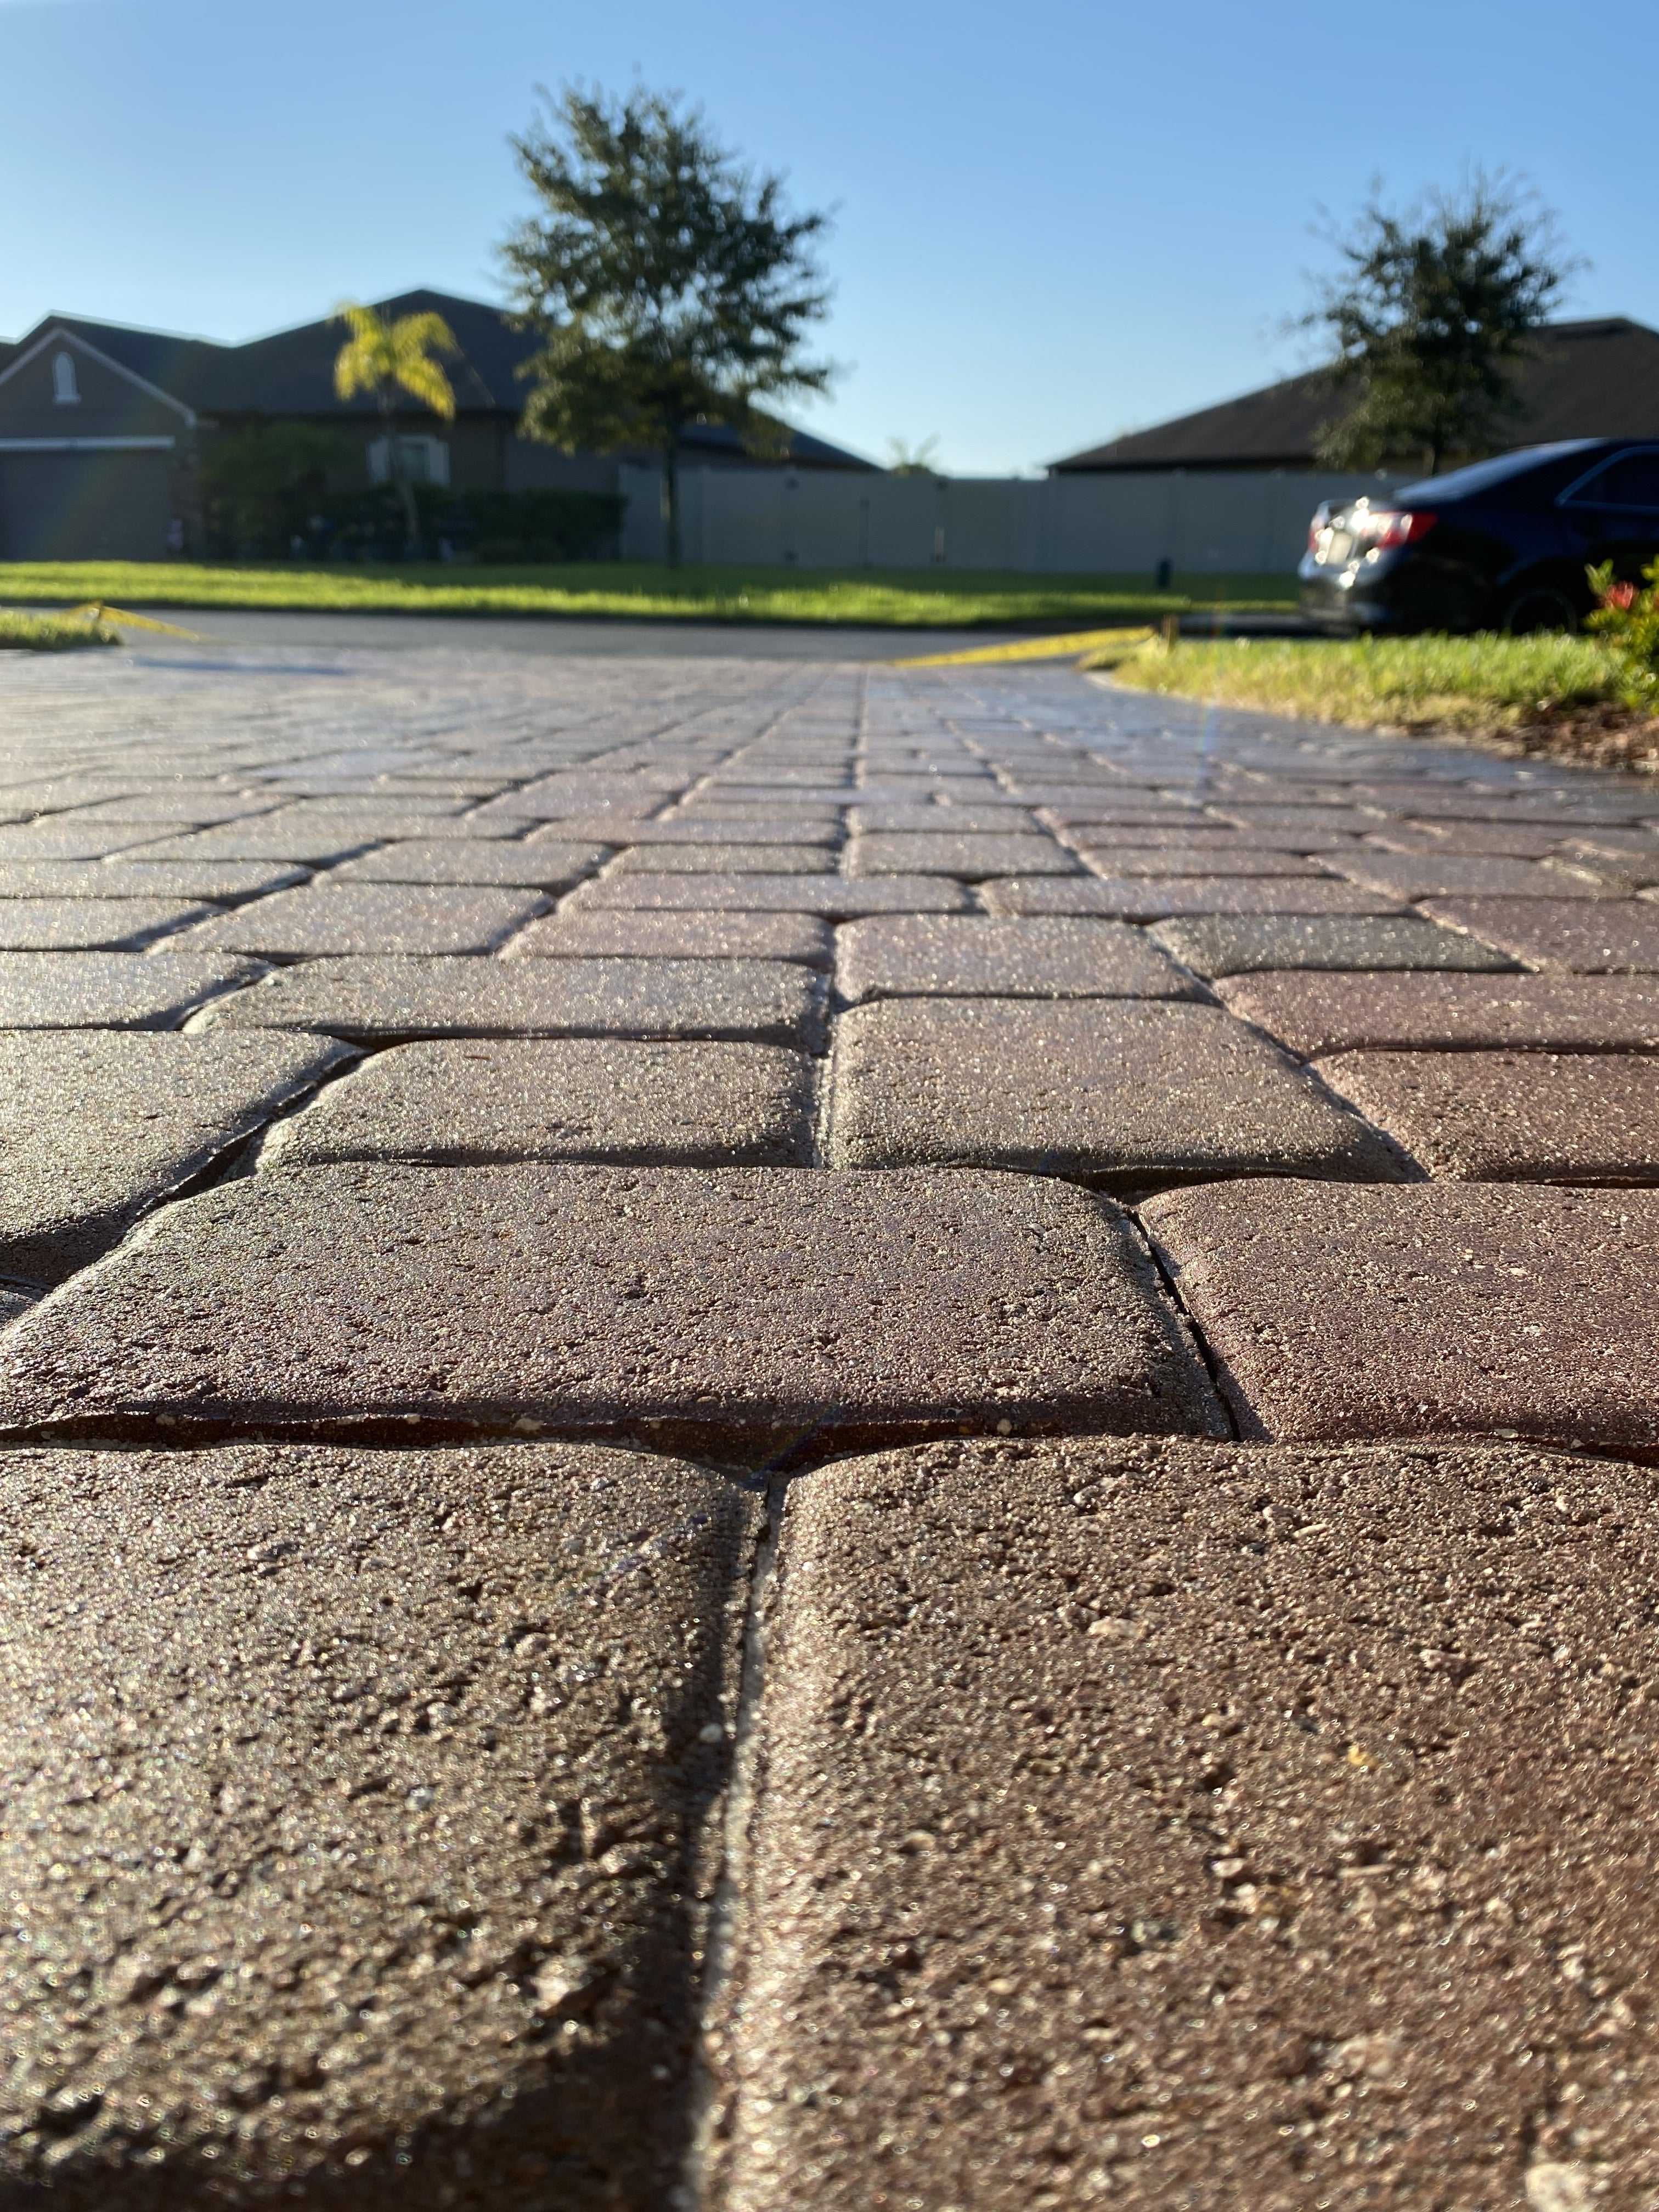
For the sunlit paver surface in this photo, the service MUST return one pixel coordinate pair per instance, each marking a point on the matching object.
(784, 1435)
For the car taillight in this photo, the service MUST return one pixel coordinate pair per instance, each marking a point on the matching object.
(1393, 526)
(1318, 525)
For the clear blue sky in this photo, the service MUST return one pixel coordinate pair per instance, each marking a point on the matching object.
(1056, 221)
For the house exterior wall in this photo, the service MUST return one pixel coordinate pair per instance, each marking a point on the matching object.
(103, 475)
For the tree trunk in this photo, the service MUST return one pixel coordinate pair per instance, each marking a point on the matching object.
(670, 489)
(399, 475)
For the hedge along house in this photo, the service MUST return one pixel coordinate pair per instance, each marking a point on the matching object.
(104, 429)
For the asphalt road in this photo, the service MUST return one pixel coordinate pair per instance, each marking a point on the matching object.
(619, 639)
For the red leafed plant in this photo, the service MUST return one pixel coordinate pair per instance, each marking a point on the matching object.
(1627, 616)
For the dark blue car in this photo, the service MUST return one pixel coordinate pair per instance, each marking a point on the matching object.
(1502, 546)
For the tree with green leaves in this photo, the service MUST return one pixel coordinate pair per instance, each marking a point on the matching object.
(384, 359)
(667, 283)
(1432, 313)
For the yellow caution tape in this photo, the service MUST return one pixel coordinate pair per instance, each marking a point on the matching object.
(1032, 648)
(96, 611)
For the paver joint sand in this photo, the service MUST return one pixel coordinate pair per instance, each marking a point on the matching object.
(780, 1435)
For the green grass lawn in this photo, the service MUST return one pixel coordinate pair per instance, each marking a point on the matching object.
(1485, 686)
(50, 633)
(929, 598)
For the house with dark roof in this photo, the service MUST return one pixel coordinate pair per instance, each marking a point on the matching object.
(103, 428)
(1586, 379)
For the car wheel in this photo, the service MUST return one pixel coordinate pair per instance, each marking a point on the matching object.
(1537, 607)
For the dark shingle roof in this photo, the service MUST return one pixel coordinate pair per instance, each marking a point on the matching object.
(292, 372)
(1589, 380)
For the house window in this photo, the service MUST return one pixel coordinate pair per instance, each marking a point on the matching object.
(426, 460)
(64, 389)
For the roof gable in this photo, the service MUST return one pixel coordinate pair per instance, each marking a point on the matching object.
(61, 334)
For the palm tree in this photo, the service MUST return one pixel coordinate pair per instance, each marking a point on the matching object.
(382, 357)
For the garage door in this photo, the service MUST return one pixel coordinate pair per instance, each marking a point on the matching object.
(85, 506)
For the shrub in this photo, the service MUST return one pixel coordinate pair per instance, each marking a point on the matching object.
(1627, 617)
(499, 526)
(262, 484)
(493, 527)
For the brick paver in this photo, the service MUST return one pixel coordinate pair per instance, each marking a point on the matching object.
(679, 936)
(1510, 1116)
(1126, 1805)
(1151, 898)
(1313, 1014)
(1120, 1093)
(1440, 1309)
(430, 1780)
(838, 898)
(113, 990)
(1603, 937)
(453, 860)
(1236, 944)
(356, 1828)
(219, 882)
(973, 857)
(1451, 876)
(91, 925)
(341, 919)
(578, 1098)
(771, 1002)
(748, 1311)
(960, 956)
(98, 1125)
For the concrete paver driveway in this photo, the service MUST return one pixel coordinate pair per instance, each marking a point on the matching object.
(782, 1434)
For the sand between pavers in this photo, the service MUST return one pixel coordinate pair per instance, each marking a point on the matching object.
(356, 1826)
(1512, 1117)
(1313, 1014)
(1128, 1094)
(472, 1102)
(744, 1312)
(1334, 1312)
(1173, 1825)
(98, 1125)
(766, 1001)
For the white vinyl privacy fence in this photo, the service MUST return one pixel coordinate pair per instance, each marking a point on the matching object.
(1222, 522)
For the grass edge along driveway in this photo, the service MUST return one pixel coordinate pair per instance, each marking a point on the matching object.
(1549, 693)
(924, 599)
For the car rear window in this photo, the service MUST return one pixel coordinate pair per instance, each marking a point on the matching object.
(1487, 476)
(1632, 480)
